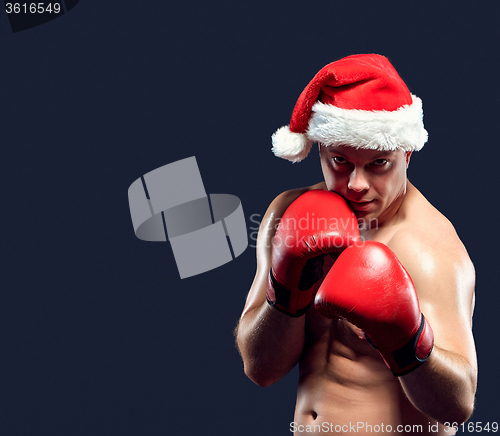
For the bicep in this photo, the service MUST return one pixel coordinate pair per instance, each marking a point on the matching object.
(267, 229)
(257, 294)
(445, 288)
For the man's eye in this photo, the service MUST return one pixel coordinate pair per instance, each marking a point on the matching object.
(339, 159)
(379, 162)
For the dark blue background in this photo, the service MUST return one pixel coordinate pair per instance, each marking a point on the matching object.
(99, 336)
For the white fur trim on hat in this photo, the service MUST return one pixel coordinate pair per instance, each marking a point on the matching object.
(290, 145)
(402, 129)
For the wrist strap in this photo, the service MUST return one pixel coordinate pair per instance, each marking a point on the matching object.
(285, 300)
(409, 357)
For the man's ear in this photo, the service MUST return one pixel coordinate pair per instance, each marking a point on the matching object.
(408, 155)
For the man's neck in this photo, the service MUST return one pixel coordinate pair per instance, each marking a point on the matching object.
(390, 217)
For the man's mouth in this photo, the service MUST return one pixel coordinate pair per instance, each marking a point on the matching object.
(360, 205)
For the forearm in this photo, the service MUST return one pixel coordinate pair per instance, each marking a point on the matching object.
(443, 387)
(270, 343)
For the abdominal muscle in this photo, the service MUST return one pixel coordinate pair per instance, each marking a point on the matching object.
(346, 388)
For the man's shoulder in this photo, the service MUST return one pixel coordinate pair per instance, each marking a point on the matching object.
(428, 245)
(426, 228)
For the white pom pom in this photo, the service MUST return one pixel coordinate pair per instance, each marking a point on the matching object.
(290, 145)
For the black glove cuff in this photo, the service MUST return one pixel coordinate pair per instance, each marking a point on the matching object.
(282, 298)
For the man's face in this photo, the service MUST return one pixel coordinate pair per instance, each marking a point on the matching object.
(373, 182)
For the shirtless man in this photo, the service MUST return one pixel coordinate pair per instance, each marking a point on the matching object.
(346, 385)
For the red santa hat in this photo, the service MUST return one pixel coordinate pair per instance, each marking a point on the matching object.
(358, 101)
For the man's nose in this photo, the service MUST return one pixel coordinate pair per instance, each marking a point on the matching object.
(358, 181)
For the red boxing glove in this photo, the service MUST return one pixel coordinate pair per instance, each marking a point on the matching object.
(315, 224)
(370, 288)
